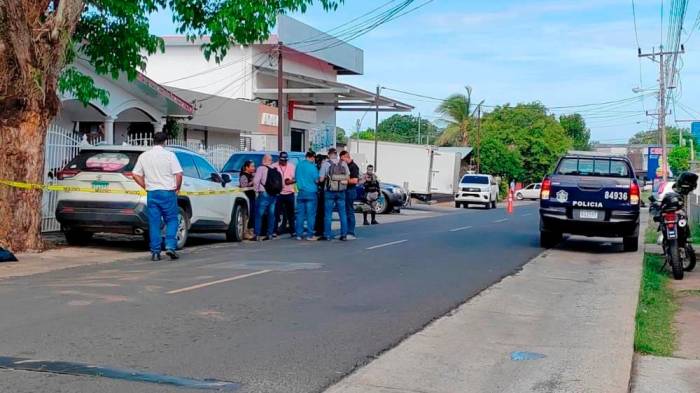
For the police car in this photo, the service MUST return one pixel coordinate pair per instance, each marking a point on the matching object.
(590, 195)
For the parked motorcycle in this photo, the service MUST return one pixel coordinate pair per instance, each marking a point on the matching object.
(673, 225)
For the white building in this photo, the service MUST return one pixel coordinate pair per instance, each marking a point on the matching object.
(134, 107)
(238, 97)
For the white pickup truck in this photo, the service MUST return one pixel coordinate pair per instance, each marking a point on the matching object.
(477, 189)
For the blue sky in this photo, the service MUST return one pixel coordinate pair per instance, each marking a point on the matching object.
(559, 52)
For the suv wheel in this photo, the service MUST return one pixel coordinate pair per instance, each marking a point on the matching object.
(76, 237)
(239, 221)
(183, 228)
(493, 204)
(488, 205)
(458, 205)
(630, 243)
(549, 239)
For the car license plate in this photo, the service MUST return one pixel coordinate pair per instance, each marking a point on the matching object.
(100, 185)
(588, 214)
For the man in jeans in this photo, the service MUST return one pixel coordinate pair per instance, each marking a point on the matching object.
(351, 192)
(285, 200)
(265, 202)
(334, 194)
(159, 172)
(306, 176)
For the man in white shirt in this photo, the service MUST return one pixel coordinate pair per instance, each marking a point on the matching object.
(159, 172)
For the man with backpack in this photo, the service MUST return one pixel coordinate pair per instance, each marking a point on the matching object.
(268, 184)
(334, 174)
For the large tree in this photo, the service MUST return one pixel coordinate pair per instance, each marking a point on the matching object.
(576, 129)
(458, 113)
(40, 38)
(527, 128)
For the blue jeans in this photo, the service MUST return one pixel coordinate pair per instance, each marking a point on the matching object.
(350, 196)
(306, 210)
(265, 204)
(334, 199)
(162, 204)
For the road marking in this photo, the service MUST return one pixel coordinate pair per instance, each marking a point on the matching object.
(526, 214)
(460, 229)
(207, 284)
(387, 244)
(501, 220)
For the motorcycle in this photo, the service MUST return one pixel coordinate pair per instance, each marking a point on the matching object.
(674, 228)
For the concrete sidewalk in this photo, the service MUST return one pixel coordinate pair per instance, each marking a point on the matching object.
(565, 323)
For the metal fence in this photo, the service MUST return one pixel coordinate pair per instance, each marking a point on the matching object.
(216, 154)
(61, 147)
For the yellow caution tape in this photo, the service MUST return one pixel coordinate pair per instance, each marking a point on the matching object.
(59, 188)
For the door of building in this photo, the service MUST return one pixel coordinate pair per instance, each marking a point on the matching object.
(298, 139)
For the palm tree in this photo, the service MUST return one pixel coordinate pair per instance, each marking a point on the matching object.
(457, 112)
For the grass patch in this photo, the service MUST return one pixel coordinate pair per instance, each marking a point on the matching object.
(651, 233)
(654, 333)
(695, 232)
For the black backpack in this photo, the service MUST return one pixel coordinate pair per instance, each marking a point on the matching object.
(273, 182)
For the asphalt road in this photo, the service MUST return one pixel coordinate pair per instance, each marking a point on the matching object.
(282, 316)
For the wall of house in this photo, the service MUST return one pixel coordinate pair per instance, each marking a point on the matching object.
(224, 138)
(231, 78)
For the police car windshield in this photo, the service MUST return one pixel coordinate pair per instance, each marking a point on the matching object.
(475, 180)
(593, 167)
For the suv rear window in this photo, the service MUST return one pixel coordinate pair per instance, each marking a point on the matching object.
(475, 179)
(235, 163)
(593, 167)
(104, 161)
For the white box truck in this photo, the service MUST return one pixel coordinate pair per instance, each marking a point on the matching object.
(423, 170)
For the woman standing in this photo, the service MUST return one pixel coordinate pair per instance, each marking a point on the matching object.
(246, 181)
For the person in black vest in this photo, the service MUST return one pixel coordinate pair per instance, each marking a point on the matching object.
(246, 181)
(372, 190)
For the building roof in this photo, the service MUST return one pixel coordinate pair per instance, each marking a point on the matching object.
(319, 92)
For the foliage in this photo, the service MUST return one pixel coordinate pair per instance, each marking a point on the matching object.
(340, 136)
(575, 127)
(399, 128)
(499, 160)
(527, 129)
(113, 35)
(172, 128)
(651, 137)
(654, 333)
(458, 115)
(679, 159)
(404, 128)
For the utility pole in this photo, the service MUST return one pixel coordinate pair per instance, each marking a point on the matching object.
(662, 99)
(478, 138)
(376, 126)
(358, 124)
(280, 99)
(419, 128)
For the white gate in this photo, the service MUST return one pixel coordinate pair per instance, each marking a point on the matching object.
(61, 147)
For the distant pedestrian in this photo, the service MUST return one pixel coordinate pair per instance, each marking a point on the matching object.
(159, 172)
(307, 178)
(334, 174)
(246, 181)
(268, 184)
(284, 223)
(351, 192)
(372, 193)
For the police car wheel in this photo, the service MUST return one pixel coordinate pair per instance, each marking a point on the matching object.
(549, 239)
(630, 243)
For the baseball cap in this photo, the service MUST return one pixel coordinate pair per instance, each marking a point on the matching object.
(284, 156)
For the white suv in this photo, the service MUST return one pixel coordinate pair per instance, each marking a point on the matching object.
(477, 189)
(107, 167)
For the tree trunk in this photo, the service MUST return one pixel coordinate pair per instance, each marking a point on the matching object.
(22, 159)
